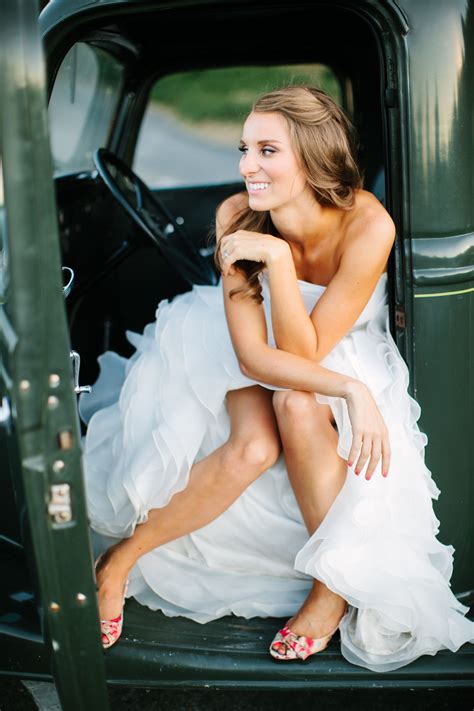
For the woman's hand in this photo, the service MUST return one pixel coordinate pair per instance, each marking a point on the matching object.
(253, 246)
(369, 432)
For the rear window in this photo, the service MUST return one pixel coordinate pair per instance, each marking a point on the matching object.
(192, 126)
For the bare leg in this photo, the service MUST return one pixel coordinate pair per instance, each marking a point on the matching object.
(316, 473)
(215, 483)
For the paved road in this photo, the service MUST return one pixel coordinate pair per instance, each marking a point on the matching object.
(170, 154)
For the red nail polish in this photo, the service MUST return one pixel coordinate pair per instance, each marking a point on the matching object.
(349, 464)
(357, 471)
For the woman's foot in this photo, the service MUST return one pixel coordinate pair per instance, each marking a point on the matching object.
(310, 630)
(318, 617)
(111, 590)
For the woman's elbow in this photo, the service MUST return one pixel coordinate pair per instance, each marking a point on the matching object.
(252, 363)
(246, 368)
(309, 351)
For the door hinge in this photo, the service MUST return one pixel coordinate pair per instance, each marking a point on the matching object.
(59, 506)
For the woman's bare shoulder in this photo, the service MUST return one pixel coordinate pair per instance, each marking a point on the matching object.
(369, 215)
(228, 210)
(370, 231)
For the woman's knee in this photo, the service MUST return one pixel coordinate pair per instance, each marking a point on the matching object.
(300, 407)
(293, 403)
(253, 454)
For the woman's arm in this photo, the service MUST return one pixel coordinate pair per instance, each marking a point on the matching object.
(292, 327)
(248, 331)
(344, 299)
(247, 327)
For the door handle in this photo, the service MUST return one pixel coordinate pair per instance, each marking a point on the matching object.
(76, 366)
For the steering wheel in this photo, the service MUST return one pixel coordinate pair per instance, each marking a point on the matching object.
(149, 213)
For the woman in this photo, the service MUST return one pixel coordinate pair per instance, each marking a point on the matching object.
(190, 468)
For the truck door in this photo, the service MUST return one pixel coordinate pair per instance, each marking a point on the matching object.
(37, 398)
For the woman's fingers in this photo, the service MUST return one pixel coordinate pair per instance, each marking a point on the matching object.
(227, 258)
(364, 453)
(355, 447)
(386, 454)
(374, 457)
(370, 440)
(372, 449)
(243, 245)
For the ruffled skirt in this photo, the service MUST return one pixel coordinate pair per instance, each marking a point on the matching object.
(154, 415)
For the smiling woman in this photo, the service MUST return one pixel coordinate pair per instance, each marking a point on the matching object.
(226, 476)
(304, 159)
(194, 119)
(171, 410)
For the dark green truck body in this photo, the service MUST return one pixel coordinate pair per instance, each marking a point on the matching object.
(411, 68)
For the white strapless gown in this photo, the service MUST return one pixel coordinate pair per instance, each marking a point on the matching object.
(153, 415)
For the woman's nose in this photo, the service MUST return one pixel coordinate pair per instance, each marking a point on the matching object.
(248, 164)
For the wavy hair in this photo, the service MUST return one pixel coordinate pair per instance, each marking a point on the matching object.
(325, 142)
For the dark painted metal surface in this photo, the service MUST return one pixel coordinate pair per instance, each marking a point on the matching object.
(234, 652)
(44, 418)
(426, 54)
(440, 223)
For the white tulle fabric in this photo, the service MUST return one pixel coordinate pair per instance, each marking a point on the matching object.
(152, 416)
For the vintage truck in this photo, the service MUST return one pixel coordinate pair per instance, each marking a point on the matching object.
(405, 72)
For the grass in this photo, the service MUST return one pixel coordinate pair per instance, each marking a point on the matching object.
(226, 95)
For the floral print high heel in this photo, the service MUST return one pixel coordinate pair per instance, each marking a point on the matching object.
(288, 645)
(111, 629)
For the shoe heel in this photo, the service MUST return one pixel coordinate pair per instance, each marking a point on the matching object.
(112, 629)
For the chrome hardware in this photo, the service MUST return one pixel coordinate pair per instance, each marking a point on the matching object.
(59, 506)
(169, 229)
(76, 365)
(206, 251)
(5, 414)
(68, 287)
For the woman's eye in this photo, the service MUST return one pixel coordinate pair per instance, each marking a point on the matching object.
(267, 150)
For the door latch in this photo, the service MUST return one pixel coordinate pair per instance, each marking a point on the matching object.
(76, 366)
(59, 506)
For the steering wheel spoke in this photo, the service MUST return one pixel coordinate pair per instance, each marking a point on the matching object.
(155, 220)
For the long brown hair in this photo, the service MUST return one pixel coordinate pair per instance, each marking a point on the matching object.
(325, 141)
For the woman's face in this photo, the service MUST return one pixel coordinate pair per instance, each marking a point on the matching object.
(269, 165)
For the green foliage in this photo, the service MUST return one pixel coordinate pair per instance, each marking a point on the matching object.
(228, 94)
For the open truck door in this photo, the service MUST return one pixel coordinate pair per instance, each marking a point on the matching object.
(40, 435)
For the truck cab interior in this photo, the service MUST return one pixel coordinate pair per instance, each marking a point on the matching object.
(121, 270)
